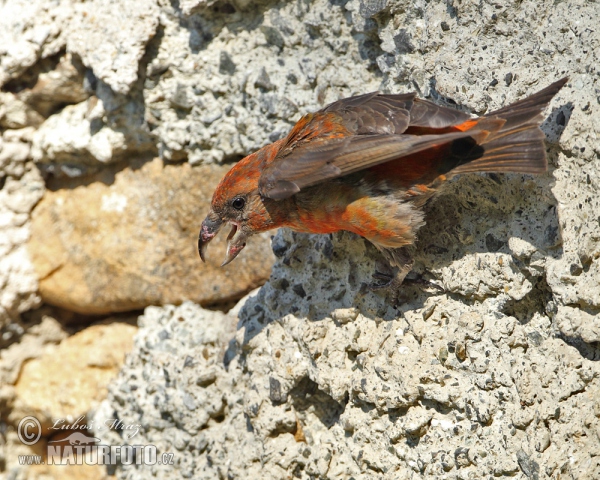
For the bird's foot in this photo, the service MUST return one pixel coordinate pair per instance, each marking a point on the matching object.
(392, 283)
(385, 281)
(419, 281)
(389, 281)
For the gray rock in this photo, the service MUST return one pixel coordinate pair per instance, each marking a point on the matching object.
(30, 31)
(112, 45)
(298, 56)
(339, 381)
(493, 377)
(315, 378)
(22, 188)
(111, 37)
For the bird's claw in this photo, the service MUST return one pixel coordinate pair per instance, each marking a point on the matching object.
(386, 278)
(389, 282)
(421, 282)
(392, 283)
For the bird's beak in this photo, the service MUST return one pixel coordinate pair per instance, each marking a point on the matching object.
(210, 227)
(236, 240)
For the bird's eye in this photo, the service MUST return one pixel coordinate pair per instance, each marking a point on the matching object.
(238, 203)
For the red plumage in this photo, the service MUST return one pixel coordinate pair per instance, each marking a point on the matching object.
(368, 164)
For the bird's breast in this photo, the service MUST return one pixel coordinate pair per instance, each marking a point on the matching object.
(382, 218)
(321, 209)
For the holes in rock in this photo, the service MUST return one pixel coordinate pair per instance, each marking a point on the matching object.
(492, 243)
(53, 83)
(219, 418)
(590, 351)
(224, 9)
(586, 261)
(29, 77)
(535, 301)
(306, 397)
(352, 355)
(369, 49)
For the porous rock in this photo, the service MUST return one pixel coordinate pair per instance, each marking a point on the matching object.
(498, 376)
(242, 73)
(314, 389)
(58, 82)
(22, 188)
(31, 30)
(109, 36)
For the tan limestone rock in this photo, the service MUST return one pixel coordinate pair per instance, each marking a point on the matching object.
(128, 239)
(72, 377)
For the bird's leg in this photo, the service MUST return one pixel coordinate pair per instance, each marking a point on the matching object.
(386, 274)
(418, 280)
(391, 282)
(396, 266)
(396, 275)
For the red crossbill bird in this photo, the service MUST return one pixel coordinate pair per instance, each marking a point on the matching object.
(368, 164)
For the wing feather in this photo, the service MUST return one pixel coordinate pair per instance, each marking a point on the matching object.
(305, 166)
(366, 130)
(373, 114)
(429, 115)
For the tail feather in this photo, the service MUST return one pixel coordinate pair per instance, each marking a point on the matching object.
(519, 150)
(519, 145)
(526, 110)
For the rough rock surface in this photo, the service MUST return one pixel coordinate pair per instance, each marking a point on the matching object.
(53, 374)
(31, 345)
(22, 188)
(261, 68)
(322, 382)
(123, 240)
(109, 36)
(213, 85)
(497, 376)
(31, 30)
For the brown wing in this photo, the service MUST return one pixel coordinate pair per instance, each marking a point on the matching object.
(365, 131)
(429, 115)
(348, 155)
(353, 134)
(374, 114)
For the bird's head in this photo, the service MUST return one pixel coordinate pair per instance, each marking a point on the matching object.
(237, 201)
